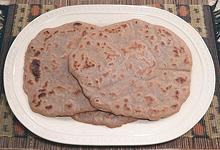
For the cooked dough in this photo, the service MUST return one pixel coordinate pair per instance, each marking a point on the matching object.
(133, 69)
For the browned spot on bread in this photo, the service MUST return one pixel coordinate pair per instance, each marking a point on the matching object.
(149, 99)
(37, 53)
(111, 55)
(174, 106)
(92, 28)
(100, 34)
(152, 37)
(55, 32)
(138, 94)
(162, 43)
(124, 50)
(32, 47)
(180, 80)
(125, 100)
(117, 106)
(35, 68)
(77, 92)
(177, 94)
(88, 63)
(136, 22)
(93, 34)
(97, 81)
(70, 44)
(176, 53)
(163, 90)
(168, 87)
(81, 46)
(41, 49)
(48, 107)
(33, 100)
(82, 56)
(51, 92)
(45, 84)
(167, 33)
(105, 74)
(54, 64)
(88, 43)
(84, 33)
(154, 110)
(68, 105)
(60, 87)
(182, 50)
(77, 24)
(97, 100)
(69, 30)
(30, 82)
(48, 37)
(41, 95)
(124, 25)
(38, 103)
(46, 32)
(159, 31)
(110, 64)
(186, 61)
(41, 90)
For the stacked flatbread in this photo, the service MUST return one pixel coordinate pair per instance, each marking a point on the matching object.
(109, 75)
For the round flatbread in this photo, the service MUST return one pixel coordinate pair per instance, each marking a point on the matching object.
(51, 89)
(134, 69)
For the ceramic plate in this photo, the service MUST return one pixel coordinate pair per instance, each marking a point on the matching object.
(66, 130)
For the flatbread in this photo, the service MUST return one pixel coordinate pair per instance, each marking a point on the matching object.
(133, 69)
(103, 118)
(170, 50)
(51, 89)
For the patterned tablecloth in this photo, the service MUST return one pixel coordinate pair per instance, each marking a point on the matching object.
(205, 134)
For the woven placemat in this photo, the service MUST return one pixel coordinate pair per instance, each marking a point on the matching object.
(206, 134)
(127, 2)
